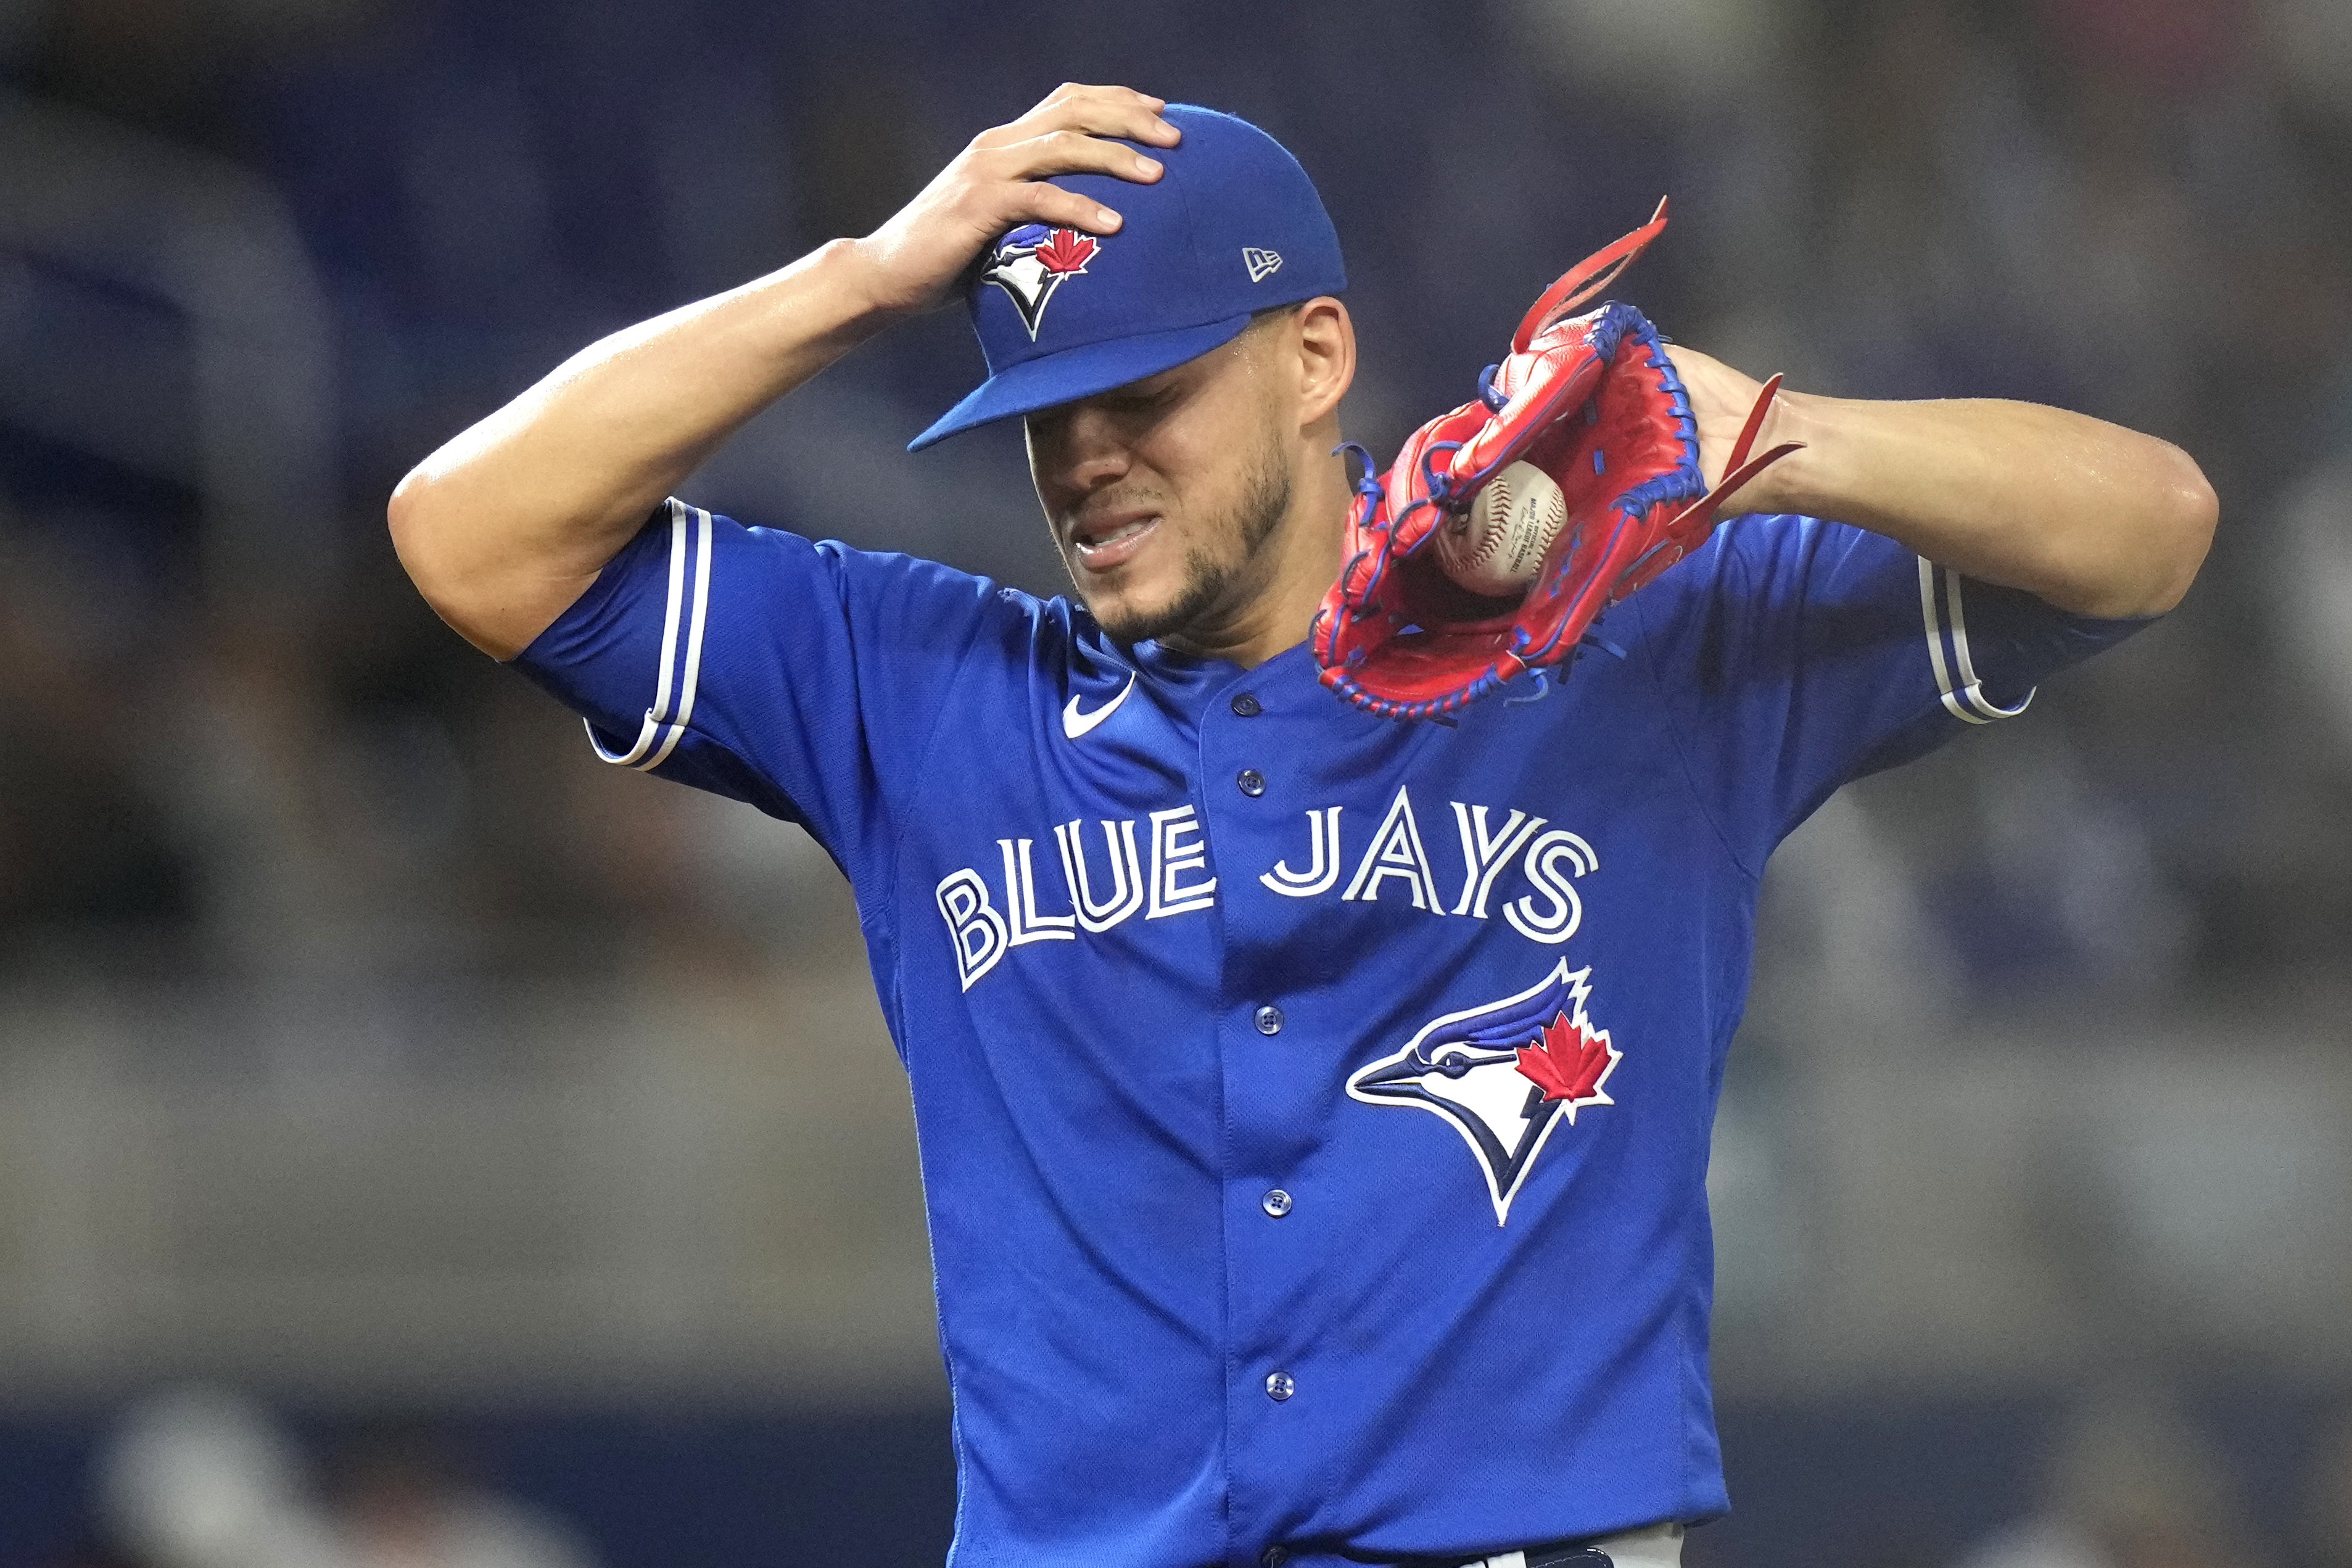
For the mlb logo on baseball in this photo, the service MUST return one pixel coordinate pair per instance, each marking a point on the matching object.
(1496, 546)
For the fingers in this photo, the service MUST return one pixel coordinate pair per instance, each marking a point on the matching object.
(1078, 130)
(1012, 181)
(1068, 153)
(1118, 111)
(1105, 111)
(1000, 181)
(1037, 202)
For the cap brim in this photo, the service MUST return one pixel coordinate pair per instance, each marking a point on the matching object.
(1077, 373)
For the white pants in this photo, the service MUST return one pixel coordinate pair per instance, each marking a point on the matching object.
(1660, 1546)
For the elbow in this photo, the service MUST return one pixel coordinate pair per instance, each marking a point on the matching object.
(2151, 553)
(2179, 533)
(415, 516)
(405, 515)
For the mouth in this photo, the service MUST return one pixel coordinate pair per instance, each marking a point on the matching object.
(1104, 541)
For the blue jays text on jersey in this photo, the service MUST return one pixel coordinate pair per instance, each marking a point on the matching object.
(1177, 882)
(1313, 1109)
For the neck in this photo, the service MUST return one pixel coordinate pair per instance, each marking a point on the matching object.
(1299, 561)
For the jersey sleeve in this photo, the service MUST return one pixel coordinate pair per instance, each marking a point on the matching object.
(805, 677)
(1794, 655)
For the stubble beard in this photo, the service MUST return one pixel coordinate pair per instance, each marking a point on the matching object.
(1214, 593)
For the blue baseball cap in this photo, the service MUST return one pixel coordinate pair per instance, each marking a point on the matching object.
(1232, 228)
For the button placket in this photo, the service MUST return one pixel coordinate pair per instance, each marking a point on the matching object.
(1262, 1266)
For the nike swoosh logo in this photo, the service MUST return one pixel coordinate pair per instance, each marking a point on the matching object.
(1075, 723)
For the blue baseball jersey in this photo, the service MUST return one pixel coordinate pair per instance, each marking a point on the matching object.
(1313, 1108)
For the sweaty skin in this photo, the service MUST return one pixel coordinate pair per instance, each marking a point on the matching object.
(512, 520)
(1204, 505)
(2090, 517)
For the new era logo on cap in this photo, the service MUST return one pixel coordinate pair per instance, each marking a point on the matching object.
(1261, 263)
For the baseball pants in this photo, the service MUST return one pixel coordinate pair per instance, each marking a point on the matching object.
(1659, 1546)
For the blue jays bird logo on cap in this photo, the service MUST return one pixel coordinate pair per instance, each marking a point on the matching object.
(1030, 263)
(1504, 1074)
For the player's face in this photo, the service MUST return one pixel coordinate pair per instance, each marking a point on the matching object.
(1164, 494)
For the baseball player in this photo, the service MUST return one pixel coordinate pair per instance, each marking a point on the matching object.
(1313, 1104)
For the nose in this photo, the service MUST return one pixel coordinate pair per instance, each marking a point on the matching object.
(1076, 450)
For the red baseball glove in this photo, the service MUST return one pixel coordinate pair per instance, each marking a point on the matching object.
(1593, 402)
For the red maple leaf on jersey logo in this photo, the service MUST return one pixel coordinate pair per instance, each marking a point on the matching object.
(1474, 1067)
(1570, 1062)
(1066, 250)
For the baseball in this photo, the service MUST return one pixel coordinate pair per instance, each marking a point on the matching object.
(1495, 546)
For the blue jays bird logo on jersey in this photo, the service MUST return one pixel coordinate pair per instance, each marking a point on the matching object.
(1504, 1074)
(1030, 263)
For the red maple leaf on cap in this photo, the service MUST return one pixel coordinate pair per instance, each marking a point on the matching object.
(1066, 250)
(1570, 1062)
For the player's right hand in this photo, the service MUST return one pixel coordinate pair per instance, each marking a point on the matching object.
(998, 183)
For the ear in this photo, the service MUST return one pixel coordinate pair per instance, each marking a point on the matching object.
(1324, 342)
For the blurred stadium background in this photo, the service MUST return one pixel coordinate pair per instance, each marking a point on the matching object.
(421, 1145)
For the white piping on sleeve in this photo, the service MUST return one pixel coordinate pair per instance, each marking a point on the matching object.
(660, 733)
(1964, 701)
(1973, 689)
(693, 639)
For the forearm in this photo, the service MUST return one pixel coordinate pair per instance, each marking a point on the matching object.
(2091, 517)
(508, 523)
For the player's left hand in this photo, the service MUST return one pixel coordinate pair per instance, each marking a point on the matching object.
(1720, 398)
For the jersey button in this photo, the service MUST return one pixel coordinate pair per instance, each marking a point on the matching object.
(1248, 707)
(1274, 1556)
(1253, 781)
(1275, 1202)
(1269, 1019)
(1278, 1386)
